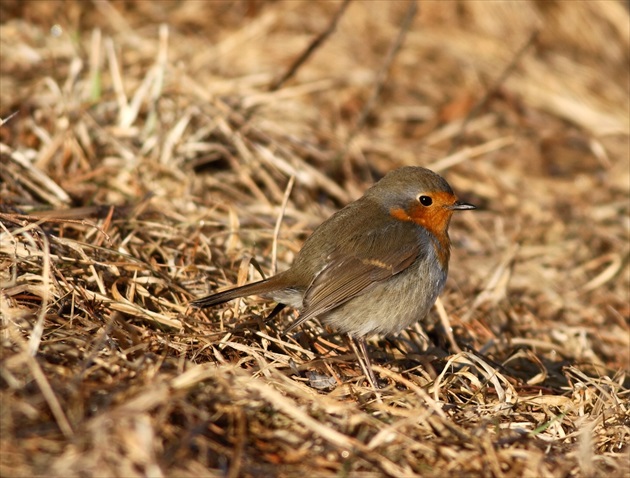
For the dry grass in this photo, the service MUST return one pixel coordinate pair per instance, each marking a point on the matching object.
(149, 162)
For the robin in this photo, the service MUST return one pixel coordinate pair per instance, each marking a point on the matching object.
(374, 267)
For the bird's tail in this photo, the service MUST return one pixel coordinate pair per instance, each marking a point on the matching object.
(260, 287)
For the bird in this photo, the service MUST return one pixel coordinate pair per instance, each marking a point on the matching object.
(376, 266)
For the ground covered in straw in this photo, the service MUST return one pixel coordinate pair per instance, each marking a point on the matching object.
(161, 150)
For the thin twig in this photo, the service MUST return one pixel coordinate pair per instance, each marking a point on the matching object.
(42, 382)
(491, 91)
(6, 120)
(276, 230)
(316, 43)
(381, 78)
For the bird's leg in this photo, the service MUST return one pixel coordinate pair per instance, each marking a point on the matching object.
(364, 359)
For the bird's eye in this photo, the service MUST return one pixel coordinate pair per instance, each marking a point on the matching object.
(425, 200)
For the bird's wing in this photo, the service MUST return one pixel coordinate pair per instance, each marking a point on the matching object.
(363, 262)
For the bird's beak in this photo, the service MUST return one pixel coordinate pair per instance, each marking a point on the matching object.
(461, 206)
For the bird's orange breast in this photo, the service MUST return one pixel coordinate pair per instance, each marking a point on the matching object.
(434, 219)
